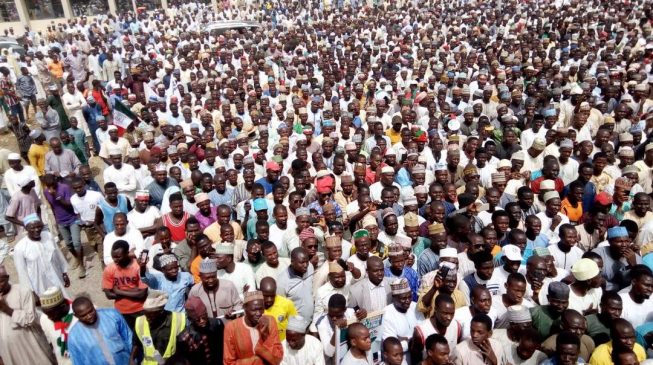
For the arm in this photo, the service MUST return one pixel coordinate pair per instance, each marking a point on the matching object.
(270, 349)
(416, 347)
(99, 222)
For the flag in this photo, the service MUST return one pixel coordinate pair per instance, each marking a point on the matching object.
(122, 115)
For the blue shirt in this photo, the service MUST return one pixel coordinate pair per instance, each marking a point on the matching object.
(87, 345)
(218, 199)
(268, 186)
(176, 290)
(410, 275)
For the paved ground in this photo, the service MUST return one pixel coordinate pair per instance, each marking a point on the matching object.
(92, 284)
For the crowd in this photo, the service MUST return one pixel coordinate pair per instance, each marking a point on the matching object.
(413, 182)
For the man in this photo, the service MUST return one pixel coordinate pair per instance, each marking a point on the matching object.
(299, 349)
(23, 203)
(296, 282)
(121, 283)
(16, 172)
(157, 329)
(114, 144)
(480, 302)
(109, 207)
(59, 197)
(100, 337)
(598, 324)
(617, 258)
(56, 322)
(572, 321)
(442, 322)
(622, 334)
(480, 348)
(566, 252)
(372, 293)
(337, 314)
(399, 270)
(85, 203)
(123, 175)
(546, 318)
(401, 317)
(123, 232)
(515, 287)
(22, 340)
(145, 217)
(59, 161)
(484, 275)
(637, 302)
(161, 183)
(268, 182)
(220, 296)
(239, 273)
(169, 280)
(39, 262)
(273, 265)
(252, 338)
(437, 350)
(276, 306)
(567, 350)
(201, 342)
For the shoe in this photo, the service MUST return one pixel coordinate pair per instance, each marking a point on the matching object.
(82, 272)
(75, 264)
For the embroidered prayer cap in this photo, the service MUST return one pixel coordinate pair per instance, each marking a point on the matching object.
(448, 252)
(302, 212)
(617, 232)
(186, 184)
(194, 307)
(387, 212)
(421, 189)
(400, 286)
(346, 178)
(272, 166)
(30, 218)
(585, 269)
(558, 290)
(297, 324)
(436, 228)
(498, 177)
(519, 314)
(387, 170)
(142, 195)
(646, 249)
(395, 250)
(114, 151)
(333, 241)
(160, 168)
(648, 147)
(539, 144)
(519, 156)
(411, 220)
(155, 301)
(361, 233)
(306, 233)
(403, 241)
(250, 296)
(167, 259)
(23, 180)
(551, 195)
(623, 183)
(626, 151)
(208, 265)
(133, 153)
(542, 251)
(603, 198)
(335, 267)
(369, 221)
(411, 200)
(470, 170)
(201, 197)
(224, 249)
(51, 298)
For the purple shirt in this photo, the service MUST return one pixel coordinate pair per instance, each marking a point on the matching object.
(62, 214)
(207, 221)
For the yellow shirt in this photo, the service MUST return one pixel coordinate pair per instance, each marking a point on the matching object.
(603, 354)
(36, 155)
(395, 137)
(281, 310)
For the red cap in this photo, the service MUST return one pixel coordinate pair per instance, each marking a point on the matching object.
(271, 165)
(603, 198)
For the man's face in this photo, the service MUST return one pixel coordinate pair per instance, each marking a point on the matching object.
(439, 355)
(402, 301)
(120, 225)
(300, 264)
(568, 354)
(625, 337)
(86, 314)
(515, 290)
(254, 311)
(479, 333)
(612, 308)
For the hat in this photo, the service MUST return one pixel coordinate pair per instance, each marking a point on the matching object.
(251, 296)
(646, 249)
(498, 177)
(369, 221)
(603, 198)
(559, 290)
(539, 144)
(13, 157)
(395, 250)
(333, 241)
(302, 212)
(566, 143)
(627, 151)
(630, 169)
(156, 300)
(167, 259)
(35, 133)
(260, 204)
(470, 170)
(518, 314)
(297, 324)
(208, 265)
(224, 249)
(387, 170)
(201, 197)
(271, 165)
(448, 252)
(623, 183)
(51, 298)
(411, 200)
(585, 269)
(361, 233)
(30, 218)
(388, 212)
(541, 251)
(551, 195)
(23, 180)
(400, 286)
(195, 307)
(142, 195)
(403, 241)
(306, 233)
(436, 228)
(410, 220)
(519, 155)
(617, 232)
(335, 267)
(511, 252)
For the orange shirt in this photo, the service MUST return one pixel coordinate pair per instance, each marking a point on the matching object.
(126, 278)
(572, 213)
(195, 268)
(56, 69)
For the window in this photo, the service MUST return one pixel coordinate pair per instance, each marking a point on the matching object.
(8, 12)
(43, 9)
(89, 7)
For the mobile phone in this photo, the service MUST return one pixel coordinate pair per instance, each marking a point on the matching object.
(443, 272)
(144, 255)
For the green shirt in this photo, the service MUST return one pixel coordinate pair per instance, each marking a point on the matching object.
(80, 155)
(545, 320)
(596, 329)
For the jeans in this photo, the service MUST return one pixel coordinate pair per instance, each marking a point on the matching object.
(17, 109)
(72, 234)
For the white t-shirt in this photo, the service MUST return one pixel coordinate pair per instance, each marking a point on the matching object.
(85, 206)
(140, 220)
(636, 314)
(133, 236)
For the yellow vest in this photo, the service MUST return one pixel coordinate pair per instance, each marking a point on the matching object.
(151, 354)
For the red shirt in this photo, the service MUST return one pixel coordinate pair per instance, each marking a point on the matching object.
(124, 278)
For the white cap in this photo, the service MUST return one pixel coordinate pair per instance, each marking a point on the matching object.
(511, 252)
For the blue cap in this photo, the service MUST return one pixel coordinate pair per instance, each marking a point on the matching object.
(327, 123)
(549, 113)
(260, 204)
(30, 218)
(616, 232)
